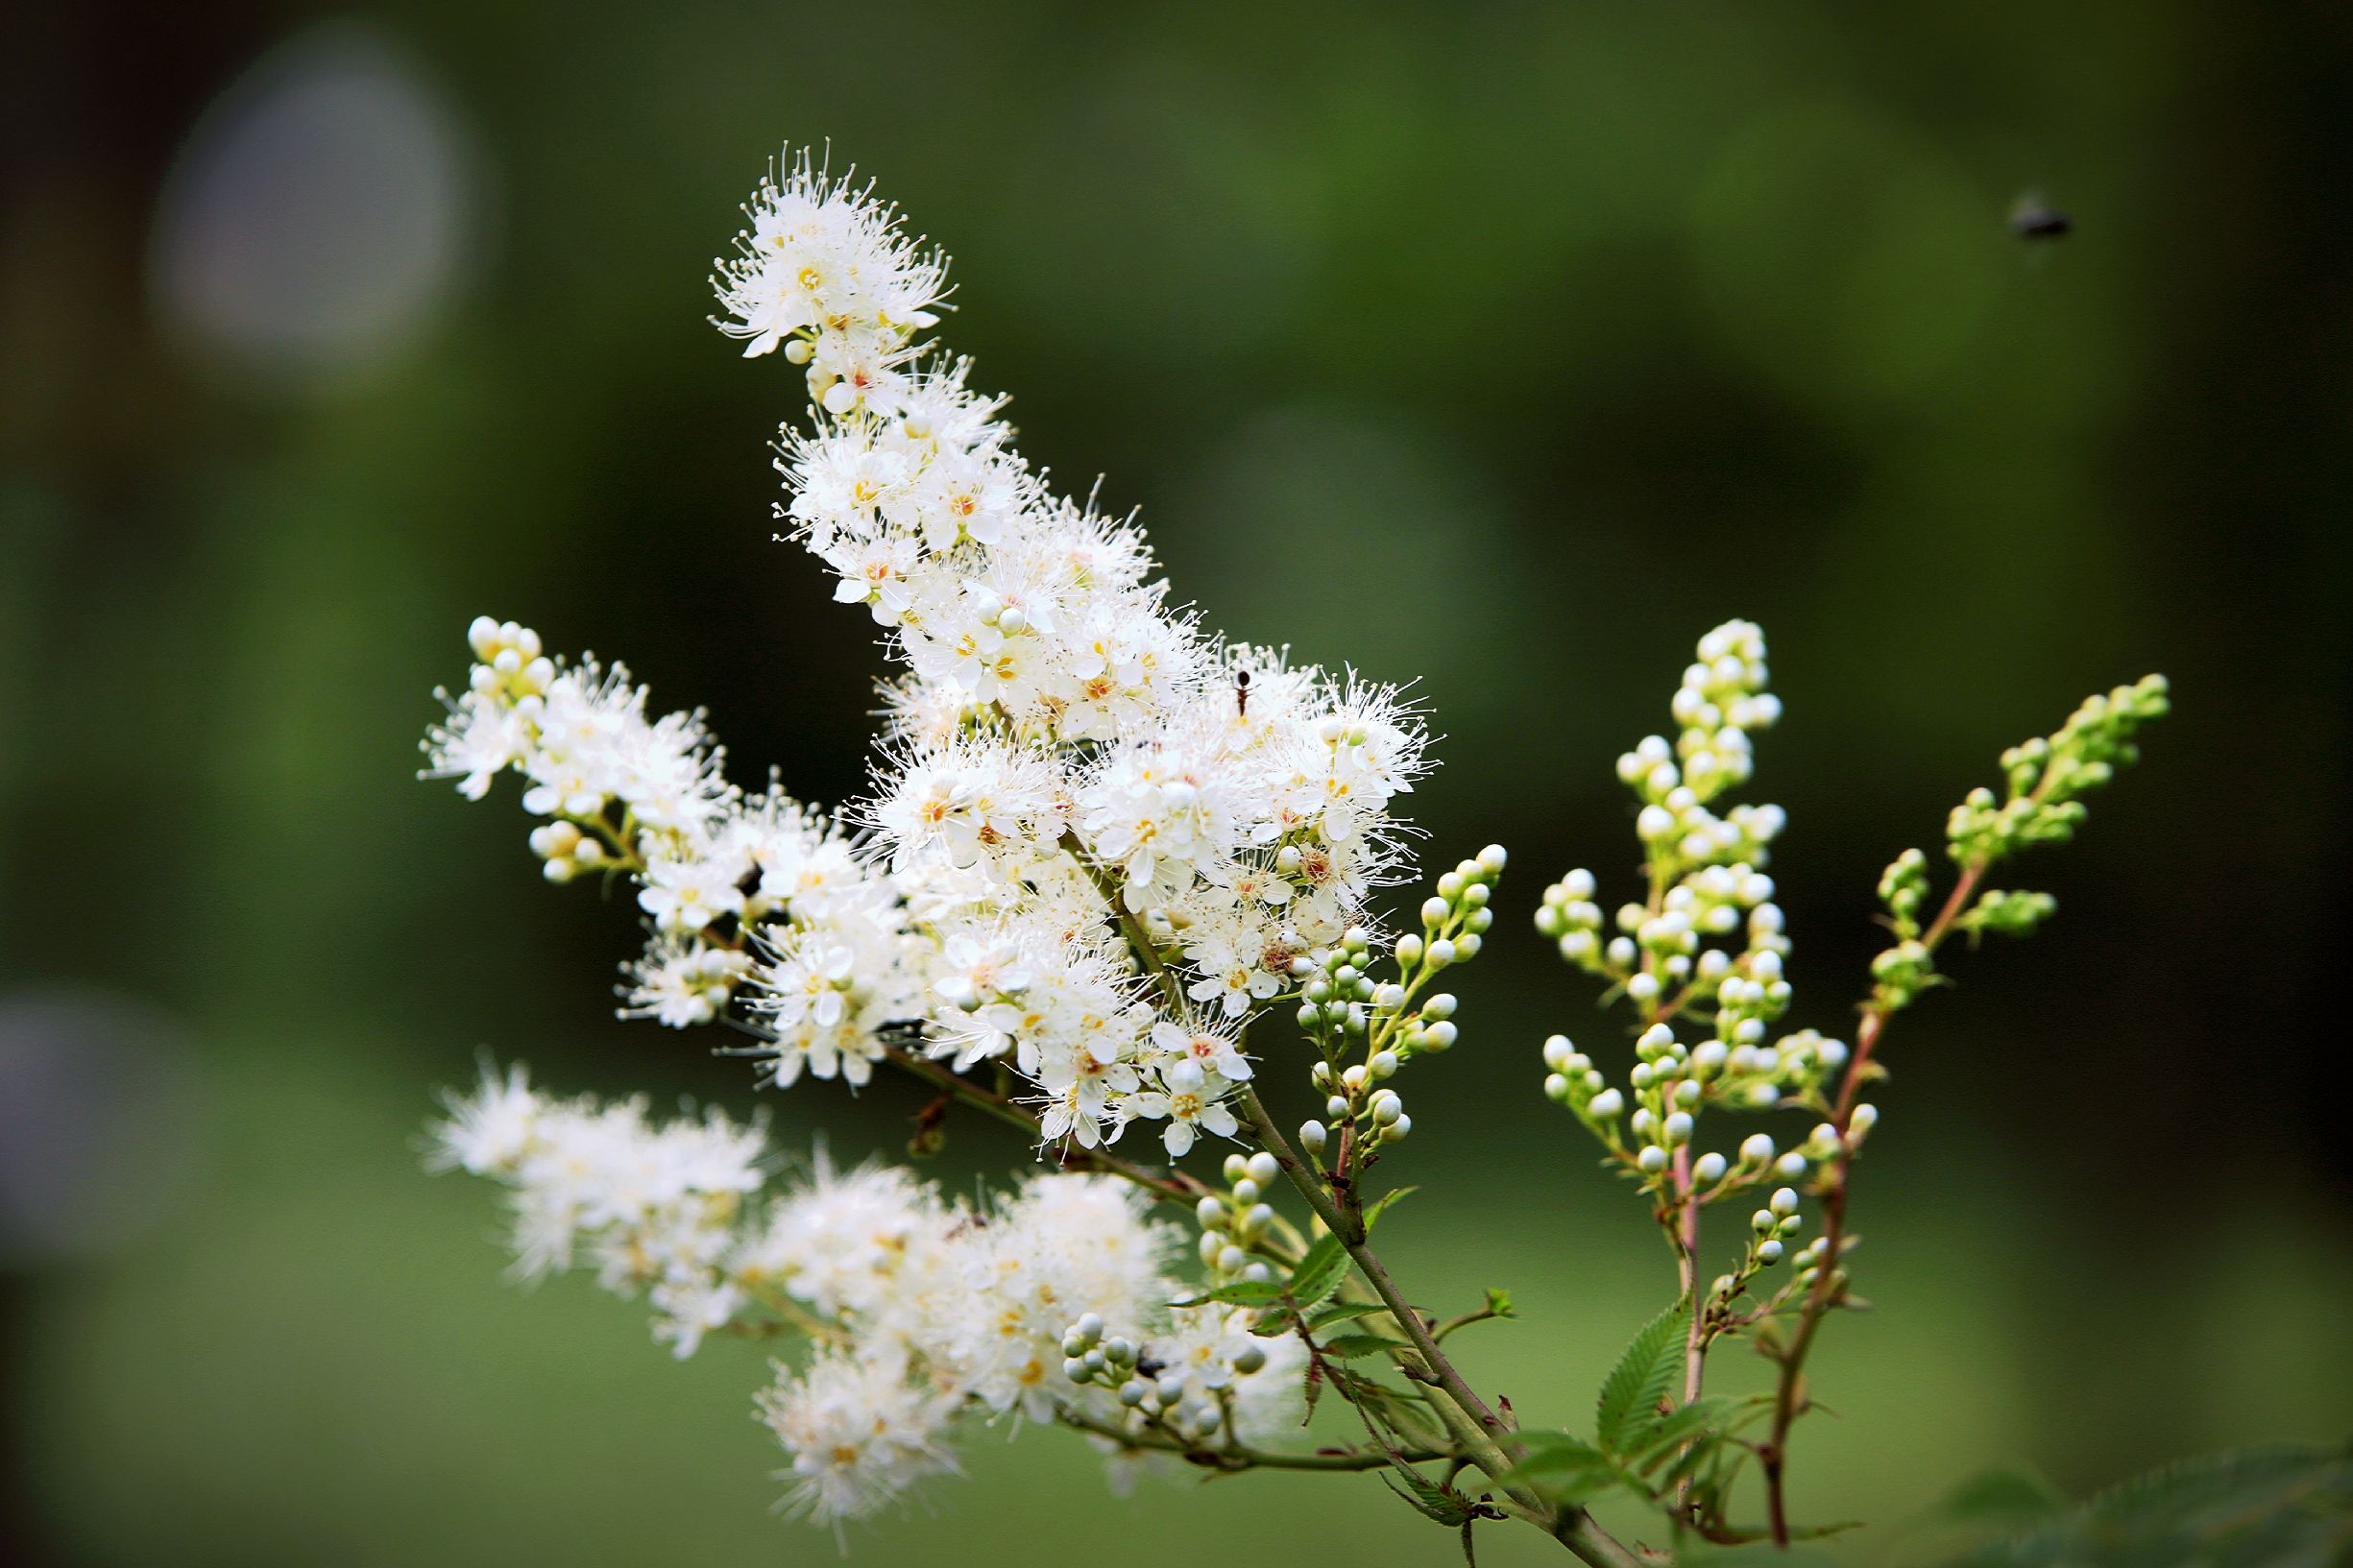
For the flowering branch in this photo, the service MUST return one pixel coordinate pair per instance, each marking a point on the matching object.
(1100, 850)
(1706, 881)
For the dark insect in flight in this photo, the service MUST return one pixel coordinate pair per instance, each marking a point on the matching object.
(1242, 693)
(2034, 219)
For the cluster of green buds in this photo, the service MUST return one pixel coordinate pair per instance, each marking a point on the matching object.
(1162, 1395)
(1234, 1222)
(1772, 1229)
(1707, 888)
(1366, 1029)
(2045, 780)
(1671, 1085)
(2046, 776)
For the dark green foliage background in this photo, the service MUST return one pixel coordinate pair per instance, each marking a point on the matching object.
(1505, 347)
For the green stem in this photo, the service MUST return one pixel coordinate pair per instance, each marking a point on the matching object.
(1773, 1454)
(1481, 1433)
(1171, 1188)
(1238, 1457)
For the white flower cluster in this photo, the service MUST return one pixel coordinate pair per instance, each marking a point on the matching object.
(1076, 776)
(920, 1308)
(742, 892)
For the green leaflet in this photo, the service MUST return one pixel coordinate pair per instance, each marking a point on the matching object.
(1241, 1292)
(1318, 1274)
(1632, 1393)
(1347, 1346)
(1442, 1503)
(1568, 1468)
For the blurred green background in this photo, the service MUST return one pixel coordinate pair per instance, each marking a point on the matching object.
(1507, 347)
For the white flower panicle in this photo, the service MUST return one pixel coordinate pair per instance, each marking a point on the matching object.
(1071, 767)
(918, 1308)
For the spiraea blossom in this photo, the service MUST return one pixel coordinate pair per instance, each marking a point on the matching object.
(919, 1309)
(1066, 753)
(1104, 861)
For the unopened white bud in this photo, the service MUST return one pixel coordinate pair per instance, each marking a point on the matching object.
(1557, 1052)
(1606, 1105)
(1756, 1148)
(1312, 1135)
(1708, 1167)
(1264, 1168)
(1652, 1160)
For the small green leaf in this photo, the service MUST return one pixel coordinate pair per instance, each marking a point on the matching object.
(1242, 1292)
(1499, 1303)
(1692, 1421)
(1320, 1272)
(1340, 1312)
(1348, 1346)
(1632, 1393)
(1566, 1467)
(1380, 1207)
(1442, 1503)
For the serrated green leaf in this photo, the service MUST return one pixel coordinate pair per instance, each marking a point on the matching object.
(1242, 1292)
(1630, 1395)
(1348, 1346)
(1442, 1503)
(1320, 1272)
(1340, 1312)
(2264, 1507)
